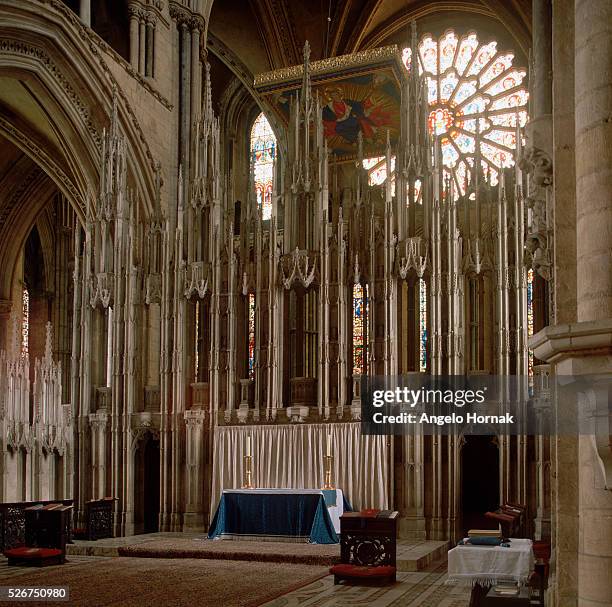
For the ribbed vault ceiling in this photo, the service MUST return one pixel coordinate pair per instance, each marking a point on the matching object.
(269, 34)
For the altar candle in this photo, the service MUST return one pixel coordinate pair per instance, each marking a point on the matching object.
(329, 443)
(248, 445)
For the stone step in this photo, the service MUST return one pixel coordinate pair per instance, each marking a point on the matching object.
(414, 555)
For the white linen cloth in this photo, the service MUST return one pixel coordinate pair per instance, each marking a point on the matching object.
(291, 455)
(487, 565)
(335, 512)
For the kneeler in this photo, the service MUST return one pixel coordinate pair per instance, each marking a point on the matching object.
(367, 547)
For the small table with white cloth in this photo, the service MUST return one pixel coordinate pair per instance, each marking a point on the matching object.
(484, 566)
(283, 514)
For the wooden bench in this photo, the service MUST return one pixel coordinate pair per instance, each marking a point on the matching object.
(368, 542)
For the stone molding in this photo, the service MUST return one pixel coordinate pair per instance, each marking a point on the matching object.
(46, 162)
(184, 17)
(10, 46)
(589, 343)
(559, 342)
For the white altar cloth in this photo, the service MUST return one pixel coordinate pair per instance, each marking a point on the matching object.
(488, 565)
(335, 512)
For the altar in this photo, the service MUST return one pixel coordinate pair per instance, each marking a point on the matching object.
(300, 515)
(483, 567)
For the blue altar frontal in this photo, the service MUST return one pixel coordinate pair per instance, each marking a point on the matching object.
(283, 514)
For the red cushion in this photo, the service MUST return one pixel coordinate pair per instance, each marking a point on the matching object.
(369, 512)
(541, 549)
(362, 571)
(26, 552)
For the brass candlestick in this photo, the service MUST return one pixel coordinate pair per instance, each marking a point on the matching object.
(248, 472)
(329, 462)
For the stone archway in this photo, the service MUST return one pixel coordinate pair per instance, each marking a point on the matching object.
(53, 109)
(146, 481)
(480, 480)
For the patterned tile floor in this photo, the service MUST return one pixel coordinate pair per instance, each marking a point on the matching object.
(413, 589)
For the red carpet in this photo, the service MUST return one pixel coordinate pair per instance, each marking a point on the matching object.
(261, 552)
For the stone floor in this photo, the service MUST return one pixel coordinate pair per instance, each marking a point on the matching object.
(412, 589)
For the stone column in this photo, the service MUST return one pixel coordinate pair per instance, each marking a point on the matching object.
(593, 94)
(593, 88)
(134, 35)
(563, 449)
(563, 166)
(142, 35)
(196, 73)
(98, 423)
(195, 420)
(150, 45)
(541, 93)
(184, 99)
(85, 12)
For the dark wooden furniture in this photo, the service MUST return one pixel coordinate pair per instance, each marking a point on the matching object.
(508, 522)
(45, 536)
(12, 522)
(98, 519)
(512, 518)
(493, 599)
(368, 542)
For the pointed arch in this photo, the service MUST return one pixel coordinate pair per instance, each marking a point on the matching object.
(263, 154)
(53, 109)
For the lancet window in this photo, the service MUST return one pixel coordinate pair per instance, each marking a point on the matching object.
(530, 281)
(263, 153)
(422, 326)
(476, 323)
(251, 334)
(360, 315)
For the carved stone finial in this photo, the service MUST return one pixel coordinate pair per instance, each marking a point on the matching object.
(413, 32)
(306, 53)
(207, 92)
(49, 343)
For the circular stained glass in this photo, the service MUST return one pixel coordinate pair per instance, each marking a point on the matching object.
(476, 94)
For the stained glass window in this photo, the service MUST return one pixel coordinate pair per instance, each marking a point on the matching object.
(377, 175)
(474, 93)
(360, 314)
(422, 326)
(530, 280)
(263, 152)
(251, 335)
(25, 322)
(377, 169)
